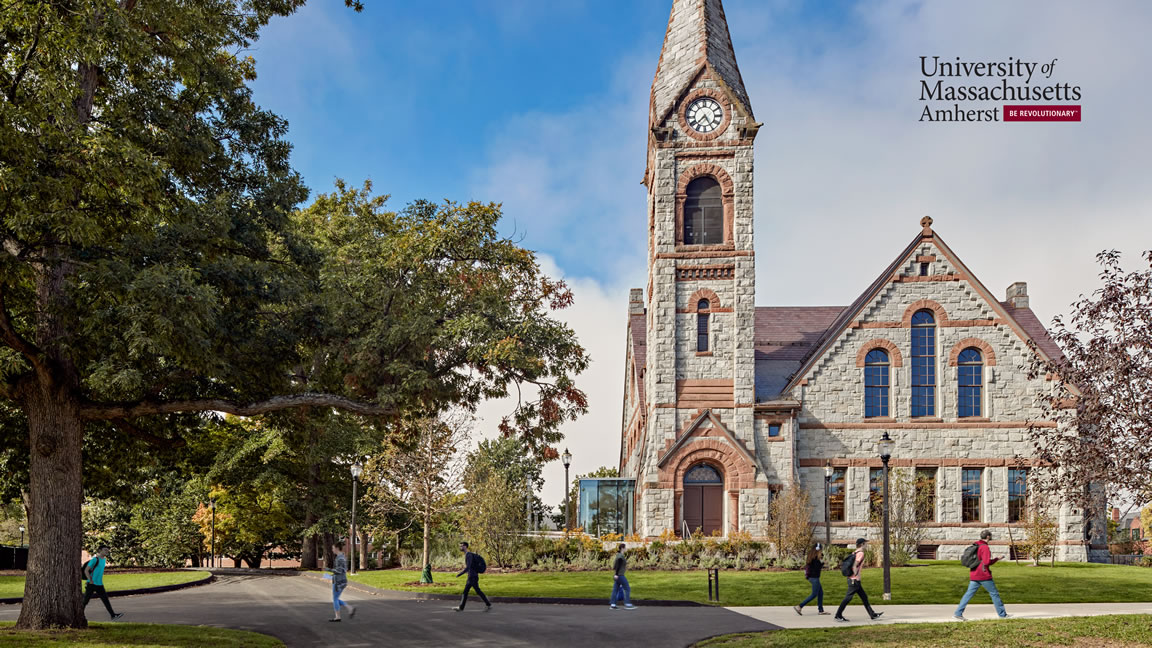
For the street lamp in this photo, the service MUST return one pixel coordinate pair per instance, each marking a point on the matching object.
(567, 459)
(885, 445)
(827, 495)
(212, 507)
(356, 470)
(21, 536)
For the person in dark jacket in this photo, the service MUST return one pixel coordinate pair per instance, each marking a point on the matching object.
(473, 579)
(982, 577)
(620, 588)
(812, 571)
(854, 586)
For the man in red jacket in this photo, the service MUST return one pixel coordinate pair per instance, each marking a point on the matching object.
(982, 577)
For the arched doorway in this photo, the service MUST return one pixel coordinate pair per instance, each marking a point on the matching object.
(703, 499)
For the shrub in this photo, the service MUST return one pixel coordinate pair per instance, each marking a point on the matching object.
(834, 555)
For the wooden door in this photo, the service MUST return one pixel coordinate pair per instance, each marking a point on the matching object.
(713, 509)
(693, 507)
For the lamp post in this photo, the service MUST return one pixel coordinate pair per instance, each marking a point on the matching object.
(567, 459)
(827, 495)
(356, 470)
(884, 445)
(21, 535)
(212, 507)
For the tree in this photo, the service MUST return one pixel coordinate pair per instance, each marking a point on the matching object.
(1040, 530)
(603, 472)
(909, 513)
(1101, 444)
(790, 517)
(514, 459)
(492, 522)
(154, 268)
(421, 481)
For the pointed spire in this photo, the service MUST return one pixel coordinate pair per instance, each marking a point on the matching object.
(697, 35)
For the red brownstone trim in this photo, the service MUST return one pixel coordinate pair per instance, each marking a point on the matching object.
(880, 343)
(719, 254)
(899, 278)
(719, 155)
(704, 293)
(692, 311)
(925, 304)
(918, 462)
(859, 324)
(925, 258)
(682, 113)
(985, 349)
(703, 354)
(892, 425)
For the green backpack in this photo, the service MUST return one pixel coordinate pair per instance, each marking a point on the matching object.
(971, 557)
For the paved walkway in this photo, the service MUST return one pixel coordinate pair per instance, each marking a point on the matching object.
(785, 617)
(296, 610)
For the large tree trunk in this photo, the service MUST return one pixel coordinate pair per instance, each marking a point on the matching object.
(329, 555)
(308, 553)
(364, 549)
(51, 591)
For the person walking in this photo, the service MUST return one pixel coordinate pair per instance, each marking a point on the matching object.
(473, 565)
(812, 571)
(854, 586)
(339, 573)
(981, 576)
(620, 588)
(94, 574)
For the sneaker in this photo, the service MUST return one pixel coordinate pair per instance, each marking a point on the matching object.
(877, 615)
(336, 620)
(351, 611)
(612, 606)
(840, 619)
(957, 617)
(117, 616)
(458, 608)
(823, 613)
(1006, 616)
(488, 608)
(629, 606)
(798, 610)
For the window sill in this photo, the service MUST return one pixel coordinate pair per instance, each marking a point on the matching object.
(974, 419)
(706, 247)
(879, 419)
(703, 354)
(774, 439)
(927, 419)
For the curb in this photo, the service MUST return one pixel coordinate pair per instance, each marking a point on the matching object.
(540, 600)
(133, 592)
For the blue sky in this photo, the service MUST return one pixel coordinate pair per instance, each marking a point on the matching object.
(543, 106)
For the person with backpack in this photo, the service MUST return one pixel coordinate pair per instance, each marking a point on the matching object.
(851, 567)
(474, 565)
(94, 574)
(978, 559)
(339, 573)
(812, 572)
(620, 588)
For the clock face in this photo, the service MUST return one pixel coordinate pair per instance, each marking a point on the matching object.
(705, 115)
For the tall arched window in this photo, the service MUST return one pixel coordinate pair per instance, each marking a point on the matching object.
(702, 308)
(923, 364)
(703, 212)
(876, 383)
(970, 379)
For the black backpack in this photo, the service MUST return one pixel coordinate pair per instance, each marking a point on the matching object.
(84, 568)
(848, 565)
(971, 557)
(478, 563)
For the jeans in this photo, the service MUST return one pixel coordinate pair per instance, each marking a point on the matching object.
(337, 590)
(99, 591)
(621, 590)
(973, 586)
(817, 593)
(473, 583)
(854, 588)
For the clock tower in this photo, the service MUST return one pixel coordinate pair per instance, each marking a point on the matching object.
(700, 304)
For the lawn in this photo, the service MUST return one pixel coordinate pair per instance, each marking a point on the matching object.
(1120, 631)
(928, 582)
(137, 635)
(13, 586)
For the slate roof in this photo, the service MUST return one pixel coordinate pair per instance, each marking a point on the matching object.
(639, 332)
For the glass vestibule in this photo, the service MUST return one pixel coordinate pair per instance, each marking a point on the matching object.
(606, 506)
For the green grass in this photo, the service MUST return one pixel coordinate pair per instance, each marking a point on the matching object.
(138, 635)
(13, 586)
(932, 582)
(1120, 631)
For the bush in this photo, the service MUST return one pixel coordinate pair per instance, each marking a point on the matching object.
(834, 555)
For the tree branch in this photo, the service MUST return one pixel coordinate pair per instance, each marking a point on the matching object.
(14, 340)
(106, 411)
(132, 430)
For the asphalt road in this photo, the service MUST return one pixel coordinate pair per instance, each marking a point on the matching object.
(296, 610)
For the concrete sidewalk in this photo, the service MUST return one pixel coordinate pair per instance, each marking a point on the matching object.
(786, 617)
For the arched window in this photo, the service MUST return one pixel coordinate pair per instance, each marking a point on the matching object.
(702, 474)
(923, 364)
(702, 325)
(876, 383)
(703, 212)
(970, 379)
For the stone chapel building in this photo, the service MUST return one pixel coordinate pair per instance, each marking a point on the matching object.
(726, 402)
